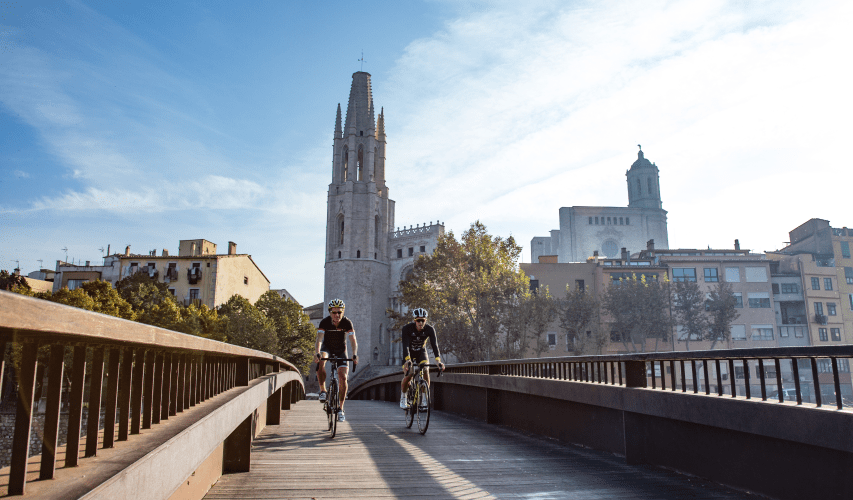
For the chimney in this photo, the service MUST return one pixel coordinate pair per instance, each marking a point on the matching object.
(87, 263)
(650, 245)
(127, 250)
(192, 248)
(232, 248)
(624, 253)
(165, 253)
(737, 244)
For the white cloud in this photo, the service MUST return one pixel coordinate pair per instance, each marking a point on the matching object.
(21, 174)
(508, 115)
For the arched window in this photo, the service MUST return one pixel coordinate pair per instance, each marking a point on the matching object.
(358, 254)
(651, 191)
(376, 232)
(341, 238)
(639, 188)
(346, 164)
(359, 164)
(339, 254)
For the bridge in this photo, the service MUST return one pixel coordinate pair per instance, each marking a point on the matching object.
(195, 418)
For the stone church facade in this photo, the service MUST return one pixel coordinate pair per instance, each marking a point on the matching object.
(585, 230)
(365, 256)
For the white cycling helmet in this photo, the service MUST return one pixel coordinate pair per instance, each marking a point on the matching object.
(336, 303)
(420, 312)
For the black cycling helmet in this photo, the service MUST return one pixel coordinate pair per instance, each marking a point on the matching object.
(336, 303)
(420, 312)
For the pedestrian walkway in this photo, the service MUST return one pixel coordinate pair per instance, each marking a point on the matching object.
(375, 456)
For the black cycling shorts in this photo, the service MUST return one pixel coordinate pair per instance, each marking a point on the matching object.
(330, 353)
(419, 357)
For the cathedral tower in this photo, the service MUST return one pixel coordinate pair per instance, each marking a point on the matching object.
(643, 184)
(359, 218)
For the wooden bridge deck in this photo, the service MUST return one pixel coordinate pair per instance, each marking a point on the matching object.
(375, 456)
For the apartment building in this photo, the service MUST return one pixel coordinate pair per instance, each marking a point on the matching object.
(197, 274)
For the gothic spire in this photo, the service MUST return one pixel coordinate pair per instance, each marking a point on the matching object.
(360, 107)
(380, 127)
(338, 132)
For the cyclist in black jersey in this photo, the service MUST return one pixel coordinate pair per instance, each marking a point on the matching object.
(331, 335)
(415, 336)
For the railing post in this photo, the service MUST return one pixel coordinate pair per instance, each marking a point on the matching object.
(148, 390)
(243, 367)
(136, 392)
(157, 401)
(287, 395)
(237, 449)
(635, 374)
(274, 408)
(23, 419)
(111, 400)
(124, 394)
(75, 406)
(96, 387)
(51, 416)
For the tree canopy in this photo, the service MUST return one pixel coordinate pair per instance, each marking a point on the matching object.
(294, 331)
(578, 314)
(639, 310)
(471, 287)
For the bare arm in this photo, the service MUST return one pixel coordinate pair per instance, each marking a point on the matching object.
(320, 334)
(354, 346)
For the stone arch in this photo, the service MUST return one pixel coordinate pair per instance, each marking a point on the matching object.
(340, 229)
(359, 163)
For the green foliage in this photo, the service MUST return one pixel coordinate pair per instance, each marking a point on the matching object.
(578, 314)
(722, 309)
(688, 311)
(107, 300)
(202, 321)
(9, 281)
(471, 288)
(76, 298)
(246, 325)
(638, 310)
(294, 331)
(151, 301)
(528, 323)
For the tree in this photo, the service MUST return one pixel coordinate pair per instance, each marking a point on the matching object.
(578, 313)
(638, 307)
(294, 331)
(75, 298)
(528, 323)
(722, 309)
(151, 300)
(202, 321)
(688, 311)
(471, 288)
(107, 300)
(246, 325)
(10, 281)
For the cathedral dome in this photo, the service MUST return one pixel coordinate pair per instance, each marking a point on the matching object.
(641, 162)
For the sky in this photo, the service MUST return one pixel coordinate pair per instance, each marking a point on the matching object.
(144, 123)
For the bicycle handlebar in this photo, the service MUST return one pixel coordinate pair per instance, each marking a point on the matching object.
(336, 360)
(425, 365)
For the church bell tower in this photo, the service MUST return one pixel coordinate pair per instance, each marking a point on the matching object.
(359, 218)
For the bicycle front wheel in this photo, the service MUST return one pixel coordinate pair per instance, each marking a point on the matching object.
(411, 394)
(423, 406)
(333, 409)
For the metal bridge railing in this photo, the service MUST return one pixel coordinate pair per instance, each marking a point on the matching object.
(138, 375)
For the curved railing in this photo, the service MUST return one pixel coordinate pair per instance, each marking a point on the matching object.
(215, 397)
(743, 417)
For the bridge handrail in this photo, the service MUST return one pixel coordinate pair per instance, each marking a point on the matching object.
(151, 374)
(641, 370)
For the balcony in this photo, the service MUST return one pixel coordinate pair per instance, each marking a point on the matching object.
(171, 274)
(820, 319)
(194, 275)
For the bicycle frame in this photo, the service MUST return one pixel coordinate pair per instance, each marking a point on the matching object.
(332, 405)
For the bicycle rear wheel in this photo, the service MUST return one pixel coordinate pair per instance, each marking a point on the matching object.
(333, 409)
(411, 395)
(423, 406)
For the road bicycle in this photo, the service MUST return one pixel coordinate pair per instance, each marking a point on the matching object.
(418, 400)
(332, 406)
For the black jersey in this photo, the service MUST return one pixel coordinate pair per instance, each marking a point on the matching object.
(414, 341)
(334, 336)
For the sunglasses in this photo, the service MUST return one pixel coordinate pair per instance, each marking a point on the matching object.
(420, 321)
